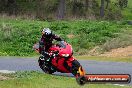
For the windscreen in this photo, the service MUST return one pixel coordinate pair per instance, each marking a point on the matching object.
(62, 44)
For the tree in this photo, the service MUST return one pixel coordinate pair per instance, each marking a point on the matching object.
(61, 9)
(2, 5)
(75, 7)
(123, 3)
(102, 8)
(11, 7)
(86, 4)
(107, 3)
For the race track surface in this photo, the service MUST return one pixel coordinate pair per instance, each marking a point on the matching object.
(91, 67)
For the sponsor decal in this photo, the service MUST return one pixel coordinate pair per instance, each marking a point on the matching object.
(108, 78)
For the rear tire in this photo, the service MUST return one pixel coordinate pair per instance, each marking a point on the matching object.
(81, 80)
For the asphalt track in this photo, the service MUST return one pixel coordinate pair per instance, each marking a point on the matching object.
(91, 67)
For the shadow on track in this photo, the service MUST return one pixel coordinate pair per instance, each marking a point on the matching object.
(63, 74)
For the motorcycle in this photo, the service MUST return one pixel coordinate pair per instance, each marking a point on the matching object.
(63, 61)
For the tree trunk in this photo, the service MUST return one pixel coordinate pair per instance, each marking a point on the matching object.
(86, 4)
(11, 7)
(38, 9)
(102, 8)
(107, 3)
(61, 9)
(3, 5)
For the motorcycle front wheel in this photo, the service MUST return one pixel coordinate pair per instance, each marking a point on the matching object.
(44, 66)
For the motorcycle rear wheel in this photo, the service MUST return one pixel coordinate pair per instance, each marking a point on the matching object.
(75, 71)
(81, 80)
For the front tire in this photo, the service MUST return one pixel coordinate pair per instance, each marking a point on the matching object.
(44, 65)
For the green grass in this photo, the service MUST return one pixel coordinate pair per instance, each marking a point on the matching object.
(127, 13)
(40, 80)
(18, 36)
(101, 58)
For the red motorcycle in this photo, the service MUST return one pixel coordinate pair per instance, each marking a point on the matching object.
(63, 61)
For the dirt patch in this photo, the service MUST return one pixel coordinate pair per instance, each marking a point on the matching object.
(94, 51)
(120, 52)
(3, 78)
(70, 36)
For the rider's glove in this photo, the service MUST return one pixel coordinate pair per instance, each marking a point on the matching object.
(45, 53)
(52, 55)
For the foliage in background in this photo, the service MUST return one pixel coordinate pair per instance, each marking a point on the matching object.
(75, 9)
(124, 39)
(18, 36)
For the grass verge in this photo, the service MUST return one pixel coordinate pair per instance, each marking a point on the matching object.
(101, 58)
(96, 58)
(18, 36)
(39, 80)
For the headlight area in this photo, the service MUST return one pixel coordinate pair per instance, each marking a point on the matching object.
(65, 55)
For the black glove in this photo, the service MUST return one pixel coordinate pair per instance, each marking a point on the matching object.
(46, 54)
(52, 55)
(41, 46)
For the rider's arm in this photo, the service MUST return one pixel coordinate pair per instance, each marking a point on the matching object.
(41, 46)
(42, 49)
(57, 38)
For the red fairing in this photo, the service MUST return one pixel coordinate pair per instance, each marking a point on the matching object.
(65, 53)
(59, 65)
(66, 50)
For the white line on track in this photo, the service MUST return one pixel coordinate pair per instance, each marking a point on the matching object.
(6, 71)
(119, 85)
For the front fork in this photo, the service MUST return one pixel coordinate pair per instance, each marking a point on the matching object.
(41, 60)
(47, 61)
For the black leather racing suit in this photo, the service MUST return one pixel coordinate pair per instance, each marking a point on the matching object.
(46, 42)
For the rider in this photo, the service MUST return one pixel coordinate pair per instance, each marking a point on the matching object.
(46, 41)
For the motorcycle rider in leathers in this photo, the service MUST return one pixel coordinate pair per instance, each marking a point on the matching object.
(46, 42)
